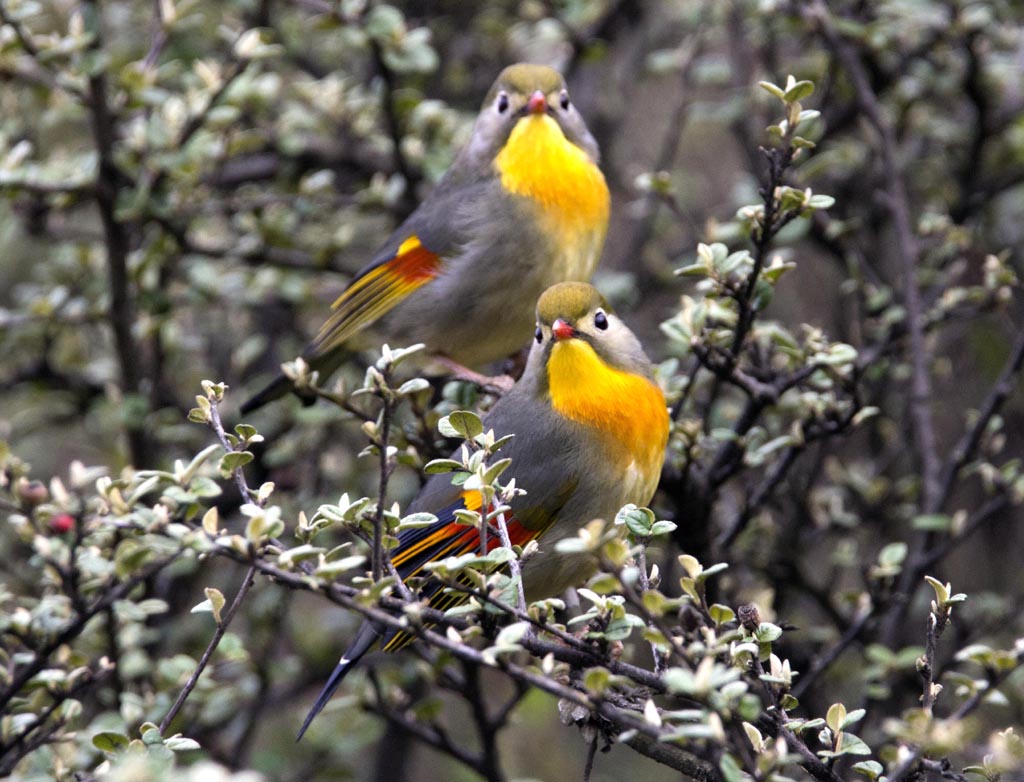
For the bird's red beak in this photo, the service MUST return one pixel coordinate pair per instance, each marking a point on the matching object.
(537, 104)
(562, 330)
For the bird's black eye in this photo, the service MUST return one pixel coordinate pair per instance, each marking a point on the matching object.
(502, 102)
(538, 335)
(601, 320)
(565, 100)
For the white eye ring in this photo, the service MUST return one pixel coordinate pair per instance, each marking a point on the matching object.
(601, 320)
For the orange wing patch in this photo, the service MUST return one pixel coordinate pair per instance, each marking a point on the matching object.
(447, 539)
(453, 539)
(378, 290)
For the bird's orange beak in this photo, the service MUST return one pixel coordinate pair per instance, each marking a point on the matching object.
(562, 330)
(537, 104)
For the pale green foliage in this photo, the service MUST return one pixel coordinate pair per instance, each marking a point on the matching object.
(780, 611)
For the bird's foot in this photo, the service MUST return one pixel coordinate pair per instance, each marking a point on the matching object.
(494, 384)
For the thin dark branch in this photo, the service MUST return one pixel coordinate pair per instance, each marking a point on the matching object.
(41, 655)
(811, 762)
(674, 757)
(822, 663)
(591, 754)
(109, 179)
(158, 36)
(905, 771)
(623, 719)
(394, 126)
(432, 735)
(975, 522)
(50, 78)
(936, 623)
(967, 446)
(382, 441)
(486, 728)
(222, 626)
(248, 495)
(898, 202)
(771, 481)
(23, 36)
(37, 733)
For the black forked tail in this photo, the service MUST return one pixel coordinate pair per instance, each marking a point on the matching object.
(367, 636)
(325, 364)
(277, 388)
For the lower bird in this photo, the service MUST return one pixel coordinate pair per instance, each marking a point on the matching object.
(590, 428)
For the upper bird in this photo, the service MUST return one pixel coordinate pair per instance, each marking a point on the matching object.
(590, 428)
(523, 206)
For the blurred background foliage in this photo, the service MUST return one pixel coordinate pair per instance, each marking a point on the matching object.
(185, 186)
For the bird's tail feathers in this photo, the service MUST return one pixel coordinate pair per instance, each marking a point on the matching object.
(367, 636)
(323, 362)
(277, 388)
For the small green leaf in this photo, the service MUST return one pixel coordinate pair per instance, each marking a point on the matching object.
(932, 522)
(772, 89)
(853, 745)
(637, 520)
(413, 386)
(181, 744)
(299, 554)
(799, 91)
(721, 614)
(853, 718)
(245, 431)
(710, 571)
(109, 741)
(754, 737)
(597, 680)
(233, 461)
(460, 423)
(442, 465)
(941, 590)
(197, 461)
(692, 270)
(337, 567)
(872, 769)
(512, 634)
(731, 769)
(663, 527)
(835, 716)
(216, 598)
(417, 521)
(893, 554)
(495, 470)
(767, 632)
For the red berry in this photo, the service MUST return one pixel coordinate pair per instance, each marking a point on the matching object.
(62, 524)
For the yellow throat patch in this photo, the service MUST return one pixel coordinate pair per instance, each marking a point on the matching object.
(627, 409)
(539, 162)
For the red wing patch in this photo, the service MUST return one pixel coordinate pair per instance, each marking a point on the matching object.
(439, 541)
(378, 290)
(448, 538)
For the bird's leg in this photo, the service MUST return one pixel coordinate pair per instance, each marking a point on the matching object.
(496, 384)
